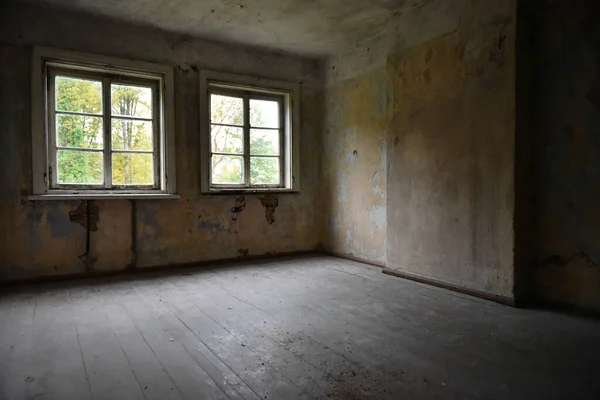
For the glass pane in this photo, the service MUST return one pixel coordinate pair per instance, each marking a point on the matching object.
(264, 170)
(132, 169)
(78, 95)
(264, 142)
(129, 134)
(79, 131)
(227, 139)
(226, 110)
(84, 167)
(134, 101)
(227, 169)
(264, 113)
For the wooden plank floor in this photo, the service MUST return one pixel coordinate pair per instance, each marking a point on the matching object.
(313, 327)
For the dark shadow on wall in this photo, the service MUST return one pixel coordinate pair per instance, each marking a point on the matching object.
(565, 72)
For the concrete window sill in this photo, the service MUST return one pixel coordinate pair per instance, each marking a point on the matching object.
(104, 196)
(238, 192)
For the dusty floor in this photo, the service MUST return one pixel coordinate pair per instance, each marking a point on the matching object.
(311, 327)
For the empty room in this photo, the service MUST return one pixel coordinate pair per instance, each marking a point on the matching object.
(285, 199)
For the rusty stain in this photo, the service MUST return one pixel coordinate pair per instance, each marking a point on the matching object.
(240, 205)
(79, 215)
(270, 204)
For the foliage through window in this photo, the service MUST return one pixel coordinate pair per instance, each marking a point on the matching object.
(103, 130)
(246, 139)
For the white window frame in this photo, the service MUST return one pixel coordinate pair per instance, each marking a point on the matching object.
(47, 63)
(287, 93)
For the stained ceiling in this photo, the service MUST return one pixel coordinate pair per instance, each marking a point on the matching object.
(306, 27)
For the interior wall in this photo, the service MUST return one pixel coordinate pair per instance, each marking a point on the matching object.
(566, 92)
(451, 152)
(354, 161)
(39, 238)
(429, 111)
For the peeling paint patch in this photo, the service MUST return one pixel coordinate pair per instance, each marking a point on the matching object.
(240, 205)
(377, 217)
(376, 190)
(78, 215)
(270, 204)
(349, 240)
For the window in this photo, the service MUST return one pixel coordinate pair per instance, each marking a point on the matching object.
(248, 140)
(106, 126)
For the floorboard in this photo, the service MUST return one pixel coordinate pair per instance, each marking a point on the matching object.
(313, 327)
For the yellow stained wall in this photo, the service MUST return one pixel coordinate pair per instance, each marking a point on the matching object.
(427, 112)
(354, 166)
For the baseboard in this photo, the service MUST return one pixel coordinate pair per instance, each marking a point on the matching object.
(168, 268)
(353, 258)
(509, 301)
(430, 281)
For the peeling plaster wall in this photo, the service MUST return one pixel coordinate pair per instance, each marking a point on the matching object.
(451, 151)
(566, 94)
(427, 111)
(354, 166)
(38, 238)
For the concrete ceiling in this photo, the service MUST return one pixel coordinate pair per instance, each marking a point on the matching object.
(306, 27)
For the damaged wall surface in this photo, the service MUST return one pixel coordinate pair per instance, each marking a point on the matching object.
(451, 152)
(425, 152)
(354, 166)
(39, 238)
(420, 123)
(566, 119)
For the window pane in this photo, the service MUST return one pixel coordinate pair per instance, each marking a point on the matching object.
(134, 101)
(84, 167)
(132, 169)
(79, 131)
(264, 170)
(78, 95)
(264, 142)
(226, 110)
(227, 169)
(264, 113)
(226, 139)
(129, 134)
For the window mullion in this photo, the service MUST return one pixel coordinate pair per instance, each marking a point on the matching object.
(282, 143)
(107, 124)
(247, 140)
(157, 146)
(51, 132)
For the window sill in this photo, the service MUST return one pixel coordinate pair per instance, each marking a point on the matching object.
(103, 196)
(237, 192)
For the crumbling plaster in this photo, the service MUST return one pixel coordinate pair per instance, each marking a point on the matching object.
(409, 154)
(428, 109)
(38, 237)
